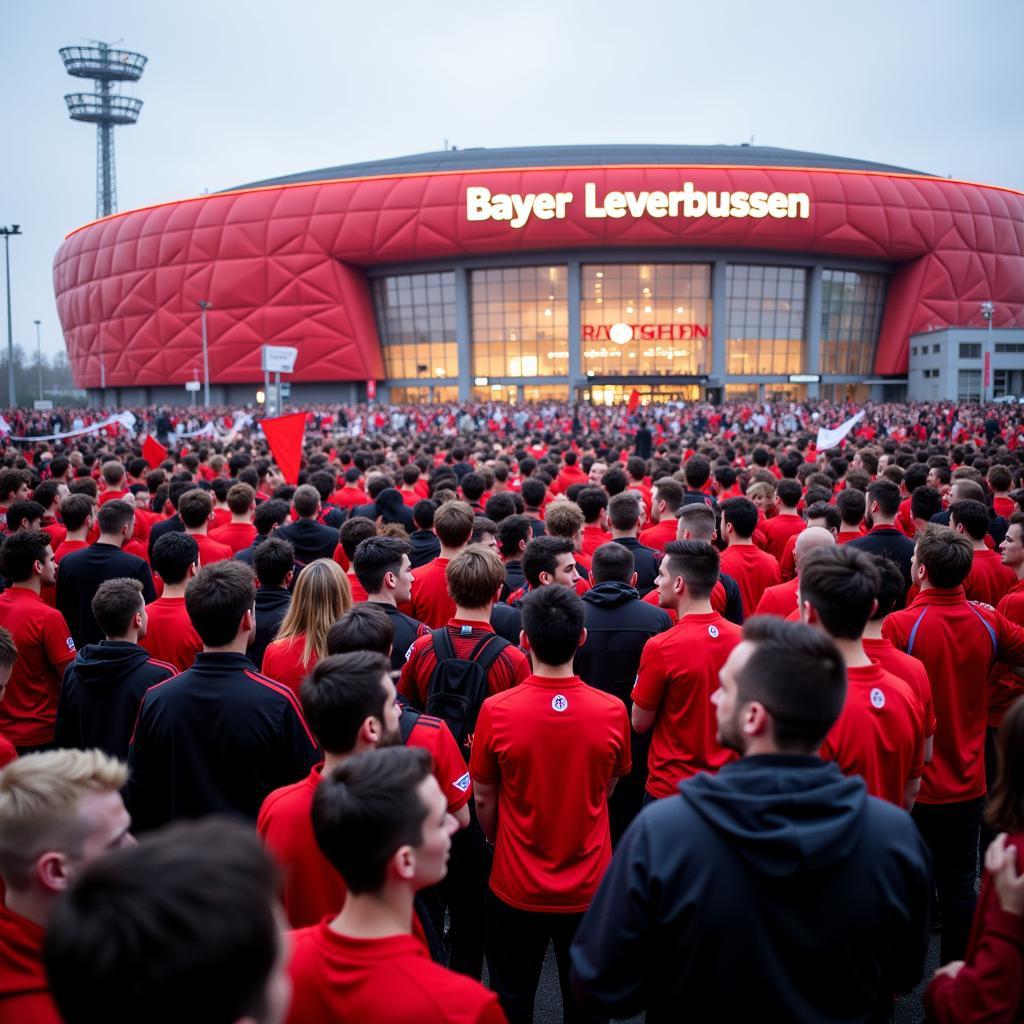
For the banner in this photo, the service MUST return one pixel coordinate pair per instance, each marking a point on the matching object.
(284, 434)
(634, 401)
(124, 419)
(830, 438)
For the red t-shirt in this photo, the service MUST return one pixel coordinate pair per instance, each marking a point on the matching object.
(778, 531)
(845, 536)
(552, 746)
(880, 733)
(66, 547)
(593, 538)
(29, 709)
(430, 601)
(719, 599)
(910, 670)
(237, 536)
(754, 571)
(510, 667)
(24, 991)
(170, 635)
(660, 534)
(386, 981)
(779, 600)
(958, 642)
(221, 518)
(1004, 685)
(282, 660)
(358, 590)
(989, 580)
(1004, 507)
(211, 551)
(348, 497)
(678, 674)
(56, 533)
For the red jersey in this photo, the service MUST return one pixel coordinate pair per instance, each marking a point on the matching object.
(779, 600)
(282, 660)
(754, 571)
(358, 590)
(958, 642)
(910, 670)
(510, 667)
(386, 981)
(66, 547)
(1004, 685)
(678, 674)
(348, 497)
(24, 991)
(170, 635)
(430, 601)
(719, 600)
(211, 551)
(989, 580)
(660, 534)
(1003, 506)
(879, 734)
(237, 536)
(845, 536)
(779, 530)
(221, 518)
(29, 709)
(56, 532)
(552, 746)
(593, 538)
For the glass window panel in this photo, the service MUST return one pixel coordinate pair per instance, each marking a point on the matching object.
(416, 318)
(851, 317)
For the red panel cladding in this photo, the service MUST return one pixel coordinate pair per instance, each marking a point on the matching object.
(283, 265)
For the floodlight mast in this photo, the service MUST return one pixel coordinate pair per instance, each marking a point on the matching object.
(103, 107)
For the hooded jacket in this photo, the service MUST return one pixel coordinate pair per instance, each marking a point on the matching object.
(425, 547)
(774, 890)
(101, 693)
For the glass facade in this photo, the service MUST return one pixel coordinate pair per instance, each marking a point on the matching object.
(520, 322)
(851, 317)
(416, 320)
(616, 394)
(646, 319)
(765, 309)
(417, 395)
(968, 386)
(513, 393)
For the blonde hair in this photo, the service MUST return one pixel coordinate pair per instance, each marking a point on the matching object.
(322, 595)
(40, 796)
(761, 487)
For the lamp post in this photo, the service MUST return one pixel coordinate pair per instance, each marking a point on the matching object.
(988, 310)
(39, 358)
(12, 396)
(204, 305)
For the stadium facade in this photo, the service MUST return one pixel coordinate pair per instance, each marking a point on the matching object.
(684, 272)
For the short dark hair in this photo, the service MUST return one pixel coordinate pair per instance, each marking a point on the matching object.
(172, 554)
(353, 532)
(21, 551)
(144, 928)
(591, 500)
(272, 560)
(512, 530)
(671, 491)
(971, 515)
(341, 692)
(697, 471)
(612, 562)
(423, 514)
(374, 796)
(741, 515)
(851, 505)
(270, 514)
(624, 511)
(195, 507)
(946, 555)
(925, 502)
(306, 500)
(892, 587)
(453, 524)
(697, 561)
(841, 584)
(614, 481)
(886, 493)
(114, 516)
(115, 603)
(541, 555)
(823, 510)
(553, 619)
(374, 557)
(798, 675)
(473, 487)
(75, 509)
(533, 491)
(789, 493)
(217, 598)
(23, 512)
(500, 506)
(364, 627)
(11, 480)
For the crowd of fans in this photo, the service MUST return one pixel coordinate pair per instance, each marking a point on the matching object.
(731, 722)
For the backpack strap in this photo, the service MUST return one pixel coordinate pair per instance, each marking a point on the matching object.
(443, 649)
(486, 651)
(407, 722)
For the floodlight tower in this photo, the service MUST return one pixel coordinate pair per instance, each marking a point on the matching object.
(104, 107)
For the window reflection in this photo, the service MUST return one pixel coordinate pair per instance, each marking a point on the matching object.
(851, 317)
(765, 319)
(416, 321)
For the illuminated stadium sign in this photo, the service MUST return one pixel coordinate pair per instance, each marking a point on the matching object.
(622, 333)
(687, 202)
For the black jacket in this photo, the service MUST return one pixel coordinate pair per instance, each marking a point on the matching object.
(733, 599)
(645, 562)
(890, 541)
(81, 572)
(425, 547)
(507, 622)
(778, 863)
(101, 693)
(272, 605)
(514, 578)
(172, 525)
(407, 629)
(215, 740)
(310, 540)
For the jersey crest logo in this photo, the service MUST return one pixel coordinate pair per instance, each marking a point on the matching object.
(559, 703)
(877, 698)
(71, 643)
(713, 632)
(462, 784)
(408, 652)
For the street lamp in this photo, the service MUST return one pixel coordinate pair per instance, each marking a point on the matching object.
(204, 306)
(988, 310)
(39, 358)
(14, 229)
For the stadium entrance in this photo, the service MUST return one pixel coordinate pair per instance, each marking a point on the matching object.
(616, 394)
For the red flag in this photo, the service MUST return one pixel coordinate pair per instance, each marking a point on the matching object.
(284, 435)
(634, 401)
(153, 452)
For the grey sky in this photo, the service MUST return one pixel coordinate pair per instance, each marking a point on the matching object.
(236, 92)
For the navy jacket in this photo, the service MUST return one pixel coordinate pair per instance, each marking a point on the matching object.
(310, 540)
(407, 629)
(272, 605)
(645, 561)
(891, 542)
(101, 693)
(215, 739)
(775, 890)
(425, 547)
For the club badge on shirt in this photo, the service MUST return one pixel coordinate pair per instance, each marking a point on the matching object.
(559, 703)
(713, 631)
(462, 784)
(877, 698)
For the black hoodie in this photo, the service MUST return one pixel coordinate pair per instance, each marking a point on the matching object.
(775, 890)
(101, 693)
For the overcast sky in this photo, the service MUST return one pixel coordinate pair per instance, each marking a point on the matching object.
(235, 92)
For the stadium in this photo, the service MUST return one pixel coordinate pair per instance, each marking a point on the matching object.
(562, 273)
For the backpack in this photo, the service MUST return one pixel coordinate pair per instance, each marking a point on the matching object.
(458, 686)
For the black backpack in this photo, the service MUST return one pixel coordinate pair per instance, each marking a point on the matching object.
(458, 686)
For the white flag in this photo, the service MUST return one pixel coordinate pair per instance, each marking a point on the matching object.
(830, 438)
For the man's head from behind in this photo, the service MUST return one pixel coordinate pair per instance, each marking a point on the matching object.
(119, 609)
(552, 625)
(838, 590)
(780, 690)
(192, 910)
(475, 575)
(220, 600)
(176, 557)
(942, 558)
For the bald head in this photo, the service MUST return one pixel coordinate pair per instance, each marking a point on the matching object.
(809, 539)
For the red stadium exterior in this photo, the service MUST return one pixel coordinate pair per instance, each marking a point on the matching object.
(287, 263)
